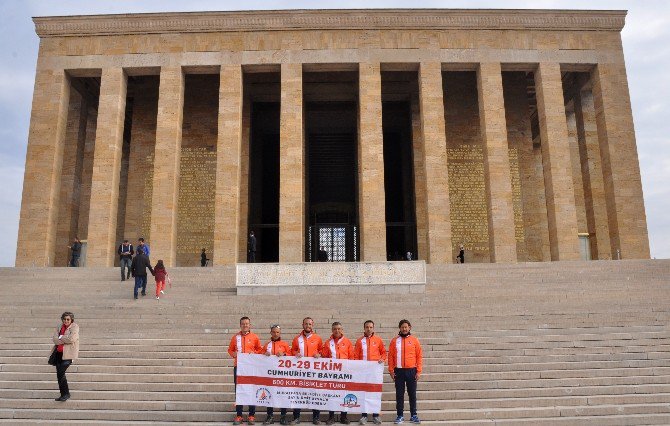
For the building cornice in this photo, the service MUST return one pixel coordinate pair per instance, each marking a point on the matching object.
(357, 19)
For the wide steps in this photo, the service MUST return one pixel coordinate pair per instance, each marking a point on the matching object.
(540, 344)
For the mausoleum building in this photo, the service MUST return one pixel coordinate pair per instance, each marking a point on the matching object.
(368, 133)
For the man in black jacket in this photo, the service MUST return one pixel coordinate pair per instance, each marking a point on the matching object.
(139, 270)
(126, 253)
(76, 252)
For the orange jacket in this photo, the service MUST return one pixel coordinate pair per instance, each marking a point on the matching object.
(277, 346)
(376, 349)
(251, 344)
(411, 355)
(343, 348)
(313, 344)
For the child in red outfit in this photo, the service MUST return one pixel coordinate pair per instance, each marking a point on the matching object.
(160, 273)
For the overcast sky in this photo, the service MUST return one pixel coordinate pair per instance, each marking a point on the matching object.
(646, 40)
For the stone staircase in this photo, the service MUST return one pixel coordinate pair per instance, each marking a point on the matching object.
(541, 344)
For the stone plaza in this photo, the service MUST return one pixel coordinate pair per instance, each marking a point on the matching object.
(371, 132)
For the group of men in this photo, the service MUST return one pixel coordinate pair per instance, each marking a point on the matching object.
(405, 361)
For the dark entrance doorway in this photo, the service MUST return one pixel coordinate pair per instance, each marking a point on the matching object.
(262, 92)
(397, 89)
(331, 129)
(332, 194)
(264, 180)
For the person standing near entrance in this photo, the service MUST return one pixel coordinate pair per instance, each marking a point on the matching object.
(276, 347)
(141, 245)
(76, 252)
(323, 255)
(244, 342)
(138, 269)
(126, 253)
(251, 248)
(405, 365)
(338, 347)
(370, 347)
(203, 258)
(307, 343)
(461, 254)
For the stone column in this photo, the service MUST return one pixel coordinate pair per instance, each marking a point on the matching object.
(594, 189)
(435, 162)
(621, 167)
(243, 221)
(421, 212)
(227, 204)
(41, 182)
(502, 239)
(167, 156)
(371, 195)
(291, 167)
(73, 155)
(561, 211)
(520, 136)
(104, 206)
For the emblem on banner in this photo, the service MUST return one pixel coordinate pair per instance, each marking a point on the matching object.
(350, 401)
(263, 395)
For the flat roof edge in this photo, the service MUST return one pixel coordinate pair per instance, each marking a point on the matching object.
(323, 19)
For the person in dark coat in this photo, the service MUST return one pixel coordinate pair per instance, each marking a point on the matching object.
(323, 255)
(461, 254)
(76, 252)
(126, 253)
(141, 245)
(203, 258)
(138, 268)
(251, 247)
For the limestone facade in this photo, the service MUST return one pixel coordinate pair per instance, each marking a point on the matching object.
(522, 138)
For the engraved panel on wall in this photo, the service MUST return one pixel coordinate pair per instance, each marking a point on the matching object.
(467, 193)
(519, 231)
(195, 215)
(465, 159)
(197, 183)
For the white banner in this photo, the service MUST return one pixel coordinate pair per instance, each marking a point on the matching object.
(312, 383)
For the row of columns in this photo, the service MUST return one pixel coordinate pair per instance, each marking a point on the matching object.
(615, 136)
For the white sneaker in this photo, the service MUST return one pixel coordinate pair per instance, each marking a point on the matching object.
(162, 292)
(157, 297)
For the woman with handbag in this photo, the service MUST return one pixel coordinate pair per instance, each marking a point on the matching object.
(65, 350)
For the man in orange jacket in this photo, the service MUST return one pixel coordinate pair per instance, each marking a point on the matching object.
(277, 347)
(307, 343)
(405, 365)
(244, 342)
(370, 347)
(339, 347)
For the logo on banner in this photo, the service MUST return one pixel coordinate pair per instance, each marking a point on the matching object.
(263, 395)
(350, 401)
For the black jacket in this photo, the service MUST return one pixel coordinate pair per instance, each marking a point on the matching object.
(76, 249)
(140, 264)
